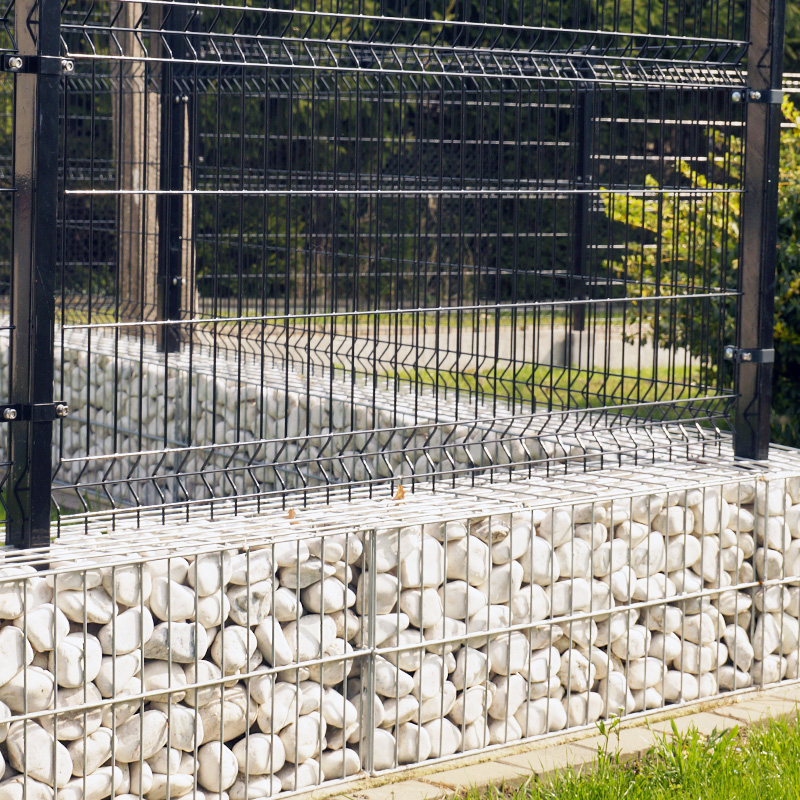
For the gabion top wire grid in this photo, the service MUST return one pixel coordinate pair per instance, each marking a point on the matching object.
(341, 244)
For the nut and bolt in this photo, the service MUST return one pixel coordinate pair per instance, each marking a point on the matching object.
(62, 409)
(755, 95)
(67, 66)
(730, 352)
(747, 356)
(15, 63)
(737, 97)
(9, 414)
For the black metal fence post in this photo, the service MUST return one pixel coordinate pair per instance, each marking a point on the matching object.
(36, 113)
(753, 356)
(170, 203)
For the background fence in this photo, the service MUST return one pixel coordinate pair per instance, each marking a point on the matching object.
(294, 251)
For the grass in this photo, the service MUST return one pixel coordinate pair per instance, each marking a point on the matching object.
(564, 387)
(762, 763)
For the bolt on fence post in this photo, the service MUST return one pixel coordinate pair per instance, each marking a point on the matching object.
(759, 226)
(36, 122)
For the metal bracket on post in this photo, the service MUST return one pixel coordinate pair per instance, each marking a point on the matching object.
(753, 354)
(774, 96)
(28, 412)
(39, 70)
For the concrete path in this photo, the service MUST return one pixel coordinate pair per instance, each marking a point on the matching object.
(512, 765)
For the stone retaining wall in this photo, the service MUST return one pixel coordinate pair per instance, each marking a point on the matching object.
(243, 656)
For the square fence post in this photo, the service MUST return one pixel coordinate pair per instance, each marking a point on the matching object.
(39, 70)
(753, 357)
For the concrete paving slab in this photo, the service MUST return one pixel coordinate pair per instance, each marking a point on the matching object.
(496, 773)
(706, 723)
(758, 710)
(548, 759)
(402, 790)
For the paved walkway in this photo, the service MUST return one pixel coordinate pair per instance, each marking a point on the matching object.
(513, 765)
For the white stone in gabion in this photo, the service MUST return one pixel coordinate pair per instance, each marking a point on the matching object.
(171, 601)
(540, 716)
(468, 559)
(175, 568)
(771, 670)
(294, 777)
(503, 583)
(232, 648)
(212, 610)
(769, 564)
(385, 594)
(303, 739)
(141, 778)
(397, 712)
(45, 627)
(328, 595)
(739, 648)
(181, 642)
(69, 725)
(128, 585)
(421, 608)
(575, 671)
(583, 709)
(249, 788)
(539, 564)
(238, 715)
(413, 744)
(444, 736)
(273, 644)
(645, 672)
(337, 710)
(259, 754)
(101, 783)
(766, 637)
(250, 605)
(616, 696)
(77, 658)
(217, 767)
(460, 600)
(30, 690)
(634, 644)
(32, 750)
(277, 709)
(210, 572)
(141, 736)
(340, 764)
(17, 788)
(556, 526)
(497, 616)
(508, 653)
(666, 646)
(159, 675)
(593, 533)
(126, 632)
(515, 544)
(122, 710)
(114, 673)
(391, 681)
(175, 784)
(251, 567)
(93, 605)
(570, 596)
(91, 752)
(15, 652)
(673, 521)
(681, 686)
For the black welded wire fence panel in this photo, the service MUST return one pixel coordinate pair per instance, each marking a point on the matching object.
(395, 240)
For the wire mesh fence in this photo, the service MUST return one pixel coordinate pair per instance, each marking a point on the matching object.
(325, 246)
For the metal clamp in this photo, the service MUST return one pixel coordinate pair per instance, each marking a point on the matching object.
(33, 412)
(43, 65)
(758, 95)
(749, 355)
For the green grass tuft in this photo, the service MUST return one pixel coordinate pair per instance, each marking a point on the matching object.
(762, 763)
